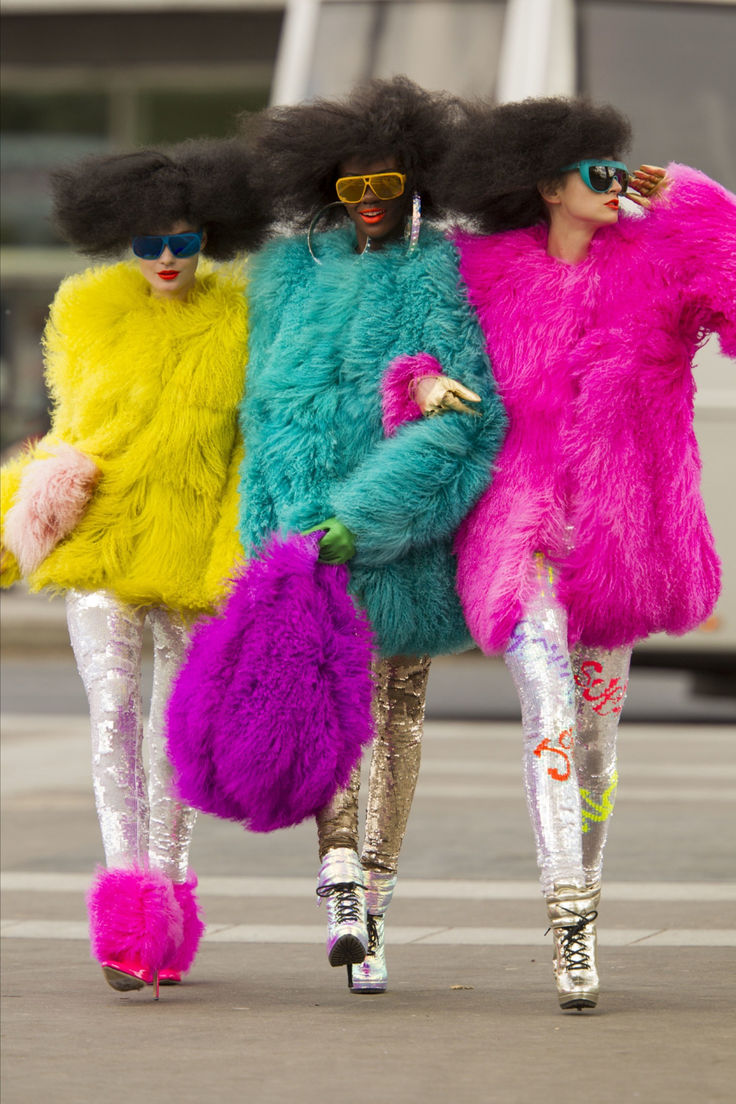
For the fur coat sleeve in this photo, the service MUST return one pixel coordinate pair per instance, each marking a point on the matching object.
(693, 229)
(416, 485)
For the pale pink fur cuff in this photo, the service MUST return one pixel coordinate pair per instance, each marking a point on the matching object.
(398, 401)
(52, 497)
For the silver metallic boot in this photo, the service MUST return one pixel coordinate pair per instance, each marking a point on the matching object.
(340, 884)
(371, 976)
(572, 913)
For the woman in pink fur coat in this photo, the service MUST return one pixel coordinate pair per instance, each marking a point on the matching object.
(593, 533)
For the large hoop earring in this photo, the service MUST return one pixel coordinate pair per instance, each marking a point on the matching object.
(414, 226)
(322, 211)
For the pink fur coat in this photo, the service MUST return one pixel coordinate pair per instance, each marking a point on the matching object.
(600, 467)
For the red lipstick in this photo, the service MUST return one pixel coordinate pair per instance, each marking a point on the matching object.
(167, 275)
(372, 215)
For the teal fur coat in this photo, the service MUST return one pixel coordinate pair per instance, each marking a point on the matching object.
(322, 337)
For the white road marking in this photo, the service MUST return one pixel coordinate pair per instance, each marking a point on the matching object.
(399, 934)
(424, 889)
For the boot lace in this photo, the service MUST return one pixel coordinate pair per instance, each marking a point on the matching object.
(372, 936)
(572, 940)
(347, 904)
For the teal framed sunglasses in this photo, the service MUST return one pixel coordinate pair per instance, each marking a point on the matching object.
(599, 175)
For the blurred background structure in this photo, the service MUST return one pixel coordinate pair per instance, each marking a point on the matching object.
(81, 76)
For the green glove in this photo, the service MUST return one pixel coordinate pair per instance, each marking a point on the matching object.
(337, 545)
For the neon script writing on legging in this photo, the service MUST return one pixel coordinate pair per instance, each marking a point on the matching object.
(603, 698)
(565, 741)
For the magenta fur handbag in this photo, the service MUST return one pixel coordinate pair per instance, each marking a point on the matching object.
(272, 708)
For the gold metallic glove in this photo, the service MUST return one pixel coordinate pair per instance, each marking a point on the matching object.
(436, 394)
(645, 183)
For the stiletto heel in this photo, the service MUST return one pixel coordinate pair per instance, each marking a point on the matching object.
(135, 926)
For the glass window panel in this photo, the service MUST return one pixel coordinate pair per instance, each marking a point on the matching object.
(40, 131)
(451, 45)
(172, 116)
(670, 68)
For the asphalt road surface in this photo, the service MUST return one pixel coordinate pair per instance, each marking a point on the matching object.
(471, 1014)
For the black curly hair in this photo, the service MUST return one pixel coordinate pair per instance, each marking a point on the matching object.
(101, 202)
(302, 147)
(499, 154)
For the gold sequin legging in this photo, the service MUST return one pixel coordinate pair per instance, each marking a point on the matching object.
(398, 704)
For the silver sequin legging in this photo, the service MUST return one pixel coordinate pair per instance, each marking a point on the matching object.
(398, 706)
(570, 704)
(141, 822)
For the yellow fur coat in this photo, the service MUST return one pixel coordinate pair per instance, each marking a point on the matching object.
(148, 389)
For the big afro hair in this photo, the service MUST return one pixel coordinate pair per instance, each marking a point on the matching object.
(302, 147)
(500, 154)
(101, 202)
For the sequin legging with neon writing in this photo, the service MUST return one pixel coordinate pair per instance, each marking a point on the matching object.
(570, 705)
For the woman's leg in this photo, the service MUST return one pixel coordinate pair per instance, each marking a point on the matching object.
(107, 638)
(171, 821)
(401, 687)
(539, 662)
(340, 880)
(135, 919)
(601, 678)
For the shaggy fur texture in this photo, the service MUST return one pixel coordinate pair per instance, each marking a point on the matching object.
(272, 708)
(594, 364)
(397, 402)
(134, 917)
(322, 337)
(192, 925)
(148, 389)
(53, 494)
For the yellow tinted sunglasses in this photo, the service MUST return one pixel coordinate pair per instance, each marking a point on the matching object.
(385, 185)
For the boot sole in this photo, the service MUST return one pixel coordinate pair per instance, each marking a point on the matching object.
(124, 983)
(578, 1003)
(347, 952)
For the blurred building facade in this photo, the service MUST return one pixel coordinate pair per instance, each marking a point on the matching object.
(82, 76)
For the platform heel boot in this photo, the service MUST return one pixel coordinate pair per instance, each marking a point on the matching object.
(340, 885)
(572, 914)
(371, 976)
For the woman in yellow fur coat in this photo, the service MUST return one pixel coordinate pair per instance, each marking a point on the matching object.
(128, 505)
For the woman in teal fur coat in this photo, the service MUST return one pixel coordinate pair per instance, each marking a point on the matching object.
(331, 312)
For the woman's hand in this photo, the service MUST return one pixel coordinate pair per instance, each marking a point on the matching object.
(436, 394)
(645, 184)
(337, 545)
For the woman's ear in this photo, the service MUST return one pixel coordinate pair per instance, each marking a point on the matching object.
(204, 240)
(549, 190)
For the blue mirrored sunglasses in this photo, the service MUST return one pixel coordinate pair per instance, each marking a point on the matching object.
(600, 175)
(149, 247)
